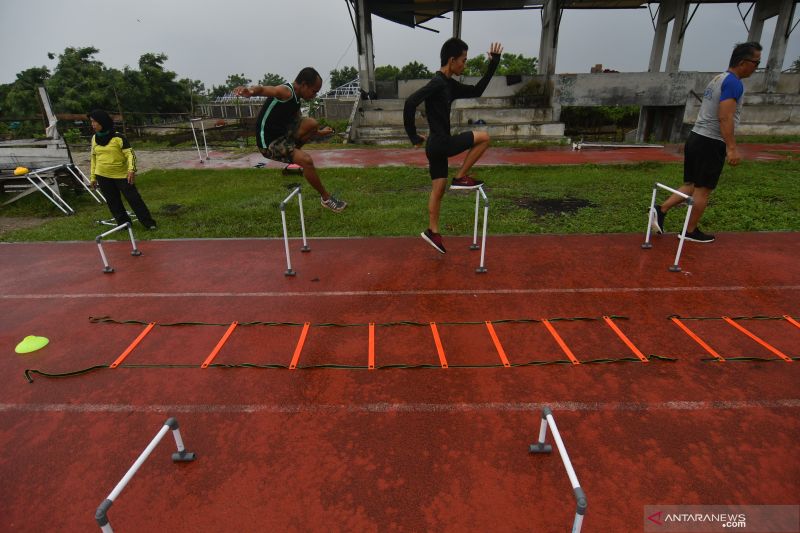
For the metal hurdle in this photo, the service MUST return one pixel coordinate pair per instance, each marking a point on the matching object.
(652, 213)
(181, 456)
(135, 252)
(83, 180)
(47, 190)
(541, 447)
(295, 192)
(197, 144)
(479, 193)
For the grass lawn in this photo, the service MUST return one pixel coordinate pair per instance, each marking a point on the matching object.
(755, 196)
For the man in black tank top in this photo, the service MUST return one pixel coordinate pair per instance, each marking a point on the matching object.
(281, 129)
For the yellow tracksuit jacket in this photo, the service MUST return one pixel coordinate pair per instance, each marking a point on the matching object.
(113, 160)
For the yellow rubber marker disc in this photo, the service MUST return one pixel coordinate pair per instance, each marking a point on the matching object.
(31, 343)
(20, 171)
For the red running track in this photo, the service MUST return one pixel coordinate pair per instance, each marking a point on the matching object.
(426, 449)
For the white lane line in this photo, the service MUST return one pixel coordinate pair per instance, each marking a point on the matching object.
(388, 407)
(422, 292)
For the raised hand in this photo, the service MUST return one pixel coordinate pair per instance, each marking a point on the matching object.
(496, 48)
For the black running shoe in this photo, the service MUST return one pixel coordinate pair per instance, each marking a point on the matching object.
(699, 236)
(434, 239)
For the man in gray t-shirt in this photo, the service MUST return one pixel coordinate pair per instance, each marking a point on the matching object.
(712, 140)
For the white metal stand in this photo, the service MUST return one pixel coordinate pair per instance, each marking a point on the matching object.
(197, 144)
(581, 145)
(541, 447)
(474, 246)
(652, 214)
(181, 456)
(305, 248)
(99, 240)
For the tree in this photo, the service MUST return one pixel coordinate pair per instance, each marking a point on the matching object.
(19, 98)
(517, 64)
(233, 81)
(341, 76)
(795, 66)
(509, 64)
(79, 82)
(414, 71)
(272, 79)
(387, 73)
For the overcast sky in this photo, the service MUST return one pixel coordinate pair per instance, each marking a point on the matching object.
(208, 40)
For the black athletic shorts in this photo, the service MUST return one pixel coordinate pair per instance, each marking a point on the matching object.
(703, 161)
(438, 149)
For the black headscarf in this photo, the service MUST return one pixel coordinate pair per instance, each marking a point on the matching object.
(106, 122)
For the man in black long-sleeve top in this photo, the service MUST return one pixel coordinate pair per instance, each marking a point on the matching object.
(438, 96)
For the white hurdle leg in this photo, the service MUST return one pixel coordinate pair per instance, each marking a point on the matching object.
(482, 268)
(134, 251)
(205, 144)
(196, 144)
(682, 237)
(650, 214)
(305, 247)
(479, 193)
(474, 245)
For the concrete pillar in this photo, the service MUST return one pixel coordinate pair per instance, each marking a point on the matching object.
(458, 9)
(675, 11)
(777, 51)
(678, 33)
(666, 12)
(548, 45)
(366, 56)
(763, 10)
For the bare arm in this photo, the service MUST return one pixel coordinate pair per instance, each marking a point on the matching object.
(727, 109)
(281, 92)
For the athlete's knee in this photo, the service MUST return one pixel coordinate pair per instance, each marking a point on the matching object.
(303, 159)
(309, 124)
(481, 137)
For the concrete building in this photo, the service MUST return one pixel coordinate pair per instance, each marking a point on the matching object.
(668, 98)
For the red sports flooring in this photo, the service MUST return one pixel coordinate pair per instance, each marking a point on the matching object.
(409, 446)
(546, 155)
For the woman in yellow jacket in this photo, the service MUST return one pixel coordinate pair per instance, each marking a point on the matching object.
(113, 168)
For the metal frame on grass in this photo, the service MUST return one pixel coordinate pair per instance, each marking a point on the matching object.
(181, 456)
(652, 213)
(541, 447)
(295, 192)
(135, 252)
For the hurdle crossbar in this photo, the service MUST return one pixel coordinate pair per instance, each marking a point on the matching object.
(651, 216)
(197, 144)
(181, 456)
(479, 193)
(107, 269)
(295, 192)
(541, 447)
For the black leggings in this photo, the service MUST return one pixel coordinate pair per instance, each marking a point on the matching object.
(113, 190)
